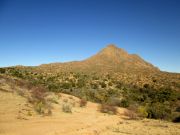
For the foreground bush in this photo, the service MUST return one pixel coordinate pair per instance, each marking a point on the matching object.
(108, 109)
(38, 93)
(39, 107)
(42, 108)
(159, 111)
(39, 101)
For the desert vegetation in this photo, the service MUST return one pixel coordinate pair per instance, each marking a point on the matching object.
(44, 97)
(150, 101)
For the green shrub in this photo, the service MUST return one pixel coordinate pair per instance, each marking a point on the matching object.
(81, 83)
(2, 70)
(43, 108)
(142, 111)
(53, 87)
(124, 103)
(66, 85)
(159, 111)
(16, 73)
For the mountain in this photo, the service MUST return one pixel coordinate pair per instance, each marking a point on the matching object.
(129, 69)
(111, 77)
(109, 59)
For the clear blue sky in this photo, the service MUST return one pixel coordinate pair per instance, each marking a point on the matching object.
(33, 32)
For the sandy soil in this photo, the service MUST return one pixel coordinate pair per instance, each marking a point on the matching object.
(16, 119)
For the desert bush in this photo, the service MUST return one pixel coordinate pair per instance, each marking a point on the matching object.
(29, 113)
(94, 85)
(103, 85)
(21, 83)
(53, 87)
(159, 111)
(142, 111)
(81, 82)
(43, 108)
(20, 92)
(82, 103)
(39, 107)
(124, 103)
(176, 119)
(31, 100)
(16, 73)
(108, 109)
(146, 86)
(118, 85)
(95, 78)
(2, 70)
(66, 108)
(54, 100)
(110, 84)
(131, 115)
(38, 93)
(114, 101)
(66, 85)
(39, 101)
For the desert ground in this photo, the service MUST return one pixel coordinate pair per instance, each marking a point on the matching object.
(18, 118)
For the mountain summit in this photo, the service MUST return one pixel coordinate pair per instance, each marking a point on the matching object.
(109, 59)
(113, 51)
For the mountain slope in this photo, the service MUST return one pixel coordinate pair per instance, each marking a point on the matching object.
(109, 59)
